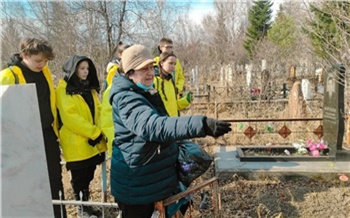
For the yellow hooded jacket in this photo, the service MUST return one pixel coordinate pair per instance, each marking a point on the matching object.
(178, 76)
(172, 101)
(106, 110)
(107, 125)
(78, 125)
(7, 78)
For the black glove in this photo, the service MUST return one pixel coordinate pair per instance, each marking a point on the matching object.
(215, 127)
(96, 141)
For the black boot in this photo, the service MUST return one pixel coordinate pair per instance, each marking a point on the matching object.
(83, 211)
(92, 210)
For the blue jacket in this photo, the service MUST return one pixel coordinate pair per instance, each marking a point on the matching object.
(143, 166)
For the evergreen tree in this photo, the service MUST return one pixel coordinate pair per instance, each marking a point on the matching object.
(283, 32)
(330, 28)
(260, 22)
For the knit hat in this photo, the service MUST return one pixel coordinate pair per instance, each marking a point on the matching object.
(136, 57)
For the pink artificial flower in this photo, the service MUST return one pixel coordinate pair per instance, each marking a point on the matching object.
(321, 146)
(343, 177)
(315, 153)
(316, 148)
(312, 147)
(309, 142)
(318, 145)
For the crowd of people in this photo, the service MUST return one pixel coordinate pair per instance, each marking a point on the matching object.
(137, 124)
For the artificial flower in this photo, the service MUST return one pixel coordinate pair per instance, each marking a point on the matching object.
(343, 177)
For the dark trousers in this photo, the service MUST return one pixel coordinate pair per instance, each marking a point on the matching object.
(53, 160)
(81, 178)
(136, 211)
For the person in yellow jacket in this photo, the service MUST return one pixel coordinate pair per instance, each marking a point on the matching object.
(113, 66)
(106, 110)
(165, 85)
(81, 137)
(31, 66)
(166, 45)
(107, 120)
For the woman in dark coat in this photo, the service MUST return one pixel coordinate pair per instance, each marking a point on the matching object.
(143, 167)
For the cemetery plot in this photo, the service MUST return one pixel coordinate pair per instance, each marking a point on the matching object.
(333, 129)
(279, 153)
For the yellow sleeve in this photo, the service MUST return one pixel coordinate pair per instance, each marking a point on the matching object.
(107, 125)
(7, 77)
(180, 79)
(182, 103)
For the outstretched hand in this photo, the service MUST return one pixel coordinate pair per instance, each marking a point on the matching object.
(215, 127)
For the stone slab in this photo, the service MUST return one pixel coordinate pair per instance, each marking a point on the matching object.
(25, 190)
(227, 164)
(333, 109)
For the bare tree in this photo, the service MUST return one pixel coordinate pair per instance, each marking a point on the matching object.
(110, 16)
(92, 28)
(10, 36)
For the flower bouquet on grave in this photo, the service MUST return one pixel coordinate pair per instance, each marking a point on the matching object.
(311, 147)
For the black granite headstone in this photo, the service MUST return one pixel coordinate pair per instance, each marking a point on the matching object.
(333, 108)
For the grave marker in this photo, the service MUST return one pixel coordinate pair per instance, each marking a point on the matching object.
(249, 69)
(284, 90)
(25, 190)
(263, 64)
(292, 73)
(222, 74)
(296, 102)
(333, 108)
(306, 89)
(229, 74)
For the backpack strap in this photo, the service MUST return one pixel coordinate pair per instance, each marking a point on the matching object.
(14, 75)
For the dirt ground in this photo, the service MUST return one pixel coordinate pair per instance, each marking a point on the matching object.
(266, 197)
(296, 197)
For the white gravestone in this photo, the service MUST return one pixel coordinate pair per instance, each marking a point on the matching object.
(263, 64)
(306, 89)
(248, 69)
(25, 185)
(229, 74)
(222, 75)
(197, 80)
(194, 79)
